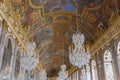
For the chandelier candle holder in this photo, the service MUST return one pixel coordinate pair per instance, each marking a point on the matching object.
(43, 75)
(30, 61)
(63, 74)
(77, 52)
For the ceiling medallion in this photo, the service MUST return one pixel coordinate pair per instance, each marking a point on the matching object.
(77, 54)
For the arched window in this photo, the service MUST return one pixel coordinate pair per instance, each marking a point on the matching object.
(118, 55)
(108, 65)
(94, 71)
(17, 65)
(7, 55)
(88, 72)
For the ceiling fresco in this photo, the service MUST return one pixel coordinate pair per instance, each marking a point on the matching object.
(65, 5)
(51, 24)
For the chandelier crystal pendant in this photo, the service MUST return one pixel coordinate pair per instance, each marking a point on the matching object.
(43, 75)
(29, 61)
(77, 53)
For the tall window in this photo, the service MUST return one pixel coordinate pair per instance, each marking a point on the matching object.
(94, 71)
(88, 72)
(118, 55)
(108, 65)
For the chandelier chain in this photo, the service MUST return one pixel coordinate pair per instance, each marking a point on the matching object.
(76, 16)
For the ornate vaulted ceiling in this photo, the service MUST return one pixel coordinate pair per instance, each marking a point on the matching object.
(51, 23)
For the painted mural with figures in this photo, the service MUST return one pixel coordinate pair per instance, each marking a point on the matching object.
(66, 5)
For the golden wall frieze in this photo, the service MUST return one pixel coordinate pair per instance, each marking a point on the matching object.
(13, 22)
(110, 34)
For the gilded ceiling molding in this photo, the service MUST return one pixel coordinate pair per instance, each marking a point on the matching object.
(13, 20)
(53, 20)
(110, 34)
(41, 26)
(34, 6)
(72, 70)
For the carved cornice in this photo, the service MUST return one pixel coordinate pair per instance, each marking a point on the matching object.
(13, 20)
(111, 33)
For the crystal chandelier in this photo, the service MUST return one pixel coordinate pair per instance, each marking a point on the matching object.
(29, 61)
(83, 76)
(63, 74)
(77, 54)
(5, 74)
(43, 75)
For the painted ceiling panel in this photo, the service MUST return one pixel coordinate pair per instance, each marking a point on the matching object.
(51, 24)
